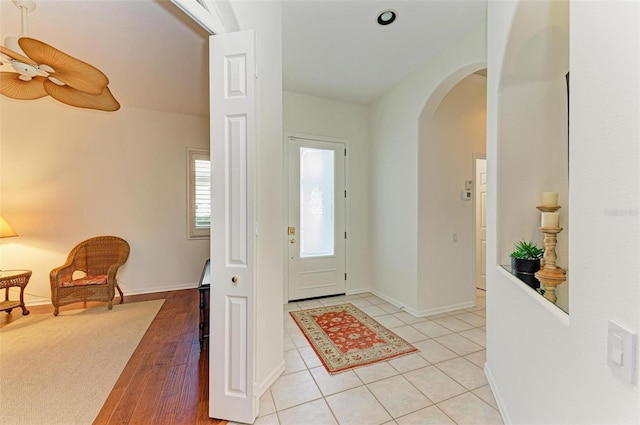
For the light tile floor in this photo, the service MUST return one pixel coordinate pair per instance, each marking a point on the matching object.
(443, 383)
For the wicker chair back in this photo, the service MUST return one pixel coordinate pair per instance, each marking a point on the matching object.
(95, 257)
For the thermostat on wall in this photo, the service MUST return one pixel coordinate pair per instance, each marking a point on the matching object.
(465, 195)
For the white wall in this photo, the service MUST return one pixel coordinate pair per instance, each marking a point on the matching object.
(70, 174)
(448, 140)
(539, 158)
(534, 128)
(547, 367)
(330, 118)
(394, 166)
(265, 19)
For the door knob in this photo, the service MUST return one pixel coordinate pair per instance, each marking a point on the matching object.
(292, 240)
(234, 279)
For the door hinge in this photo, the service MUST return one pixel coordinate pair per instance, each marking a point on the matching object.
(345, 193)
(345, 276)
(345, 151)
(257, 73)
(345, 235)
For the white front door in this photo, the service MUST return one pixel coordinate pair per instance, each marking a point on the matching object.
(233, 147)
(481, 223)
(316, 233)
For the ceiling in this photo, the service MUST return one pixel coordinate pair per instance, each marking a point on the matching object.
(156, 57)
(336, 49)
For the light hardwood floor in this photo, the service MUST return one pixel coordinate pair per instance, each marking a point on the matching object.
(166, 379)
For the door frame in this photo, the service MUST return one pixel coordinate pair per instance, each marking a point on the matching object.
(285, 216)
(476, 157)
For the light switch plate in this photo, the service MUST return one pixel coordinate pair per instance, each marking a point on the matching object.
(621, 351)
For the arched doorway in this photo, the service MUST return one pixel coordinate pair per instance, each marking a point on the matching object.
(452, 130)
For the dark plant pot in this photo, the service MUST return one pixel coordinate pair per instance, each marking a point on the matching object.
(524, 265)
(529, 279)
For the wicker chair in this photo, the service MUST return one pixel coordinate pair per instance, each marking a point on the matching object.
(98, 260)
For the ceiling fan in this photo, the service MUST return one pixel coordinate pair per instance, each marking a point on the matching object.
(36, 69)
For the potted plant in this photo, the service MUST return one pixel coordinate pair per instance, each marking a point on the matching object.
(525, 257)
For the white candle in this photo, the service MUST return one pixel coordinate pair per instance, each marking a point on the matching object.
(550, 199)
(550, 219)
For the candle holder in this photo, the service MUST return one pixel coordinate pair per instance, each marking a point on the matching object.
(548, 208)
(550, 275)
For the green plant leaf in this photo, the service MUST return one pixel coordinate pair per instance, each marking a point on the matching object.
(524, 249)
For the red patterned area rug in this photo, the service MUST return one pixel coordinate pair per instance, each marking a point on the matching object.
(344, 337)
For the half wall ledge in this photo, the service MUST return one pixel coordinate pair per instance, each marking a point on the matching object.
(557, 312)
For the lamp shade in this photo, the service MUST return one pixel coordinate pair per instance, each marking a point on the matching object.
(6, 231)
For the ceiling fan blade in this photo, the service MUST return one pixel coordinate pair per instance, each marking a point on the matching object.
(71, 71)
(66, 94)
(12, 86)
(17, 56)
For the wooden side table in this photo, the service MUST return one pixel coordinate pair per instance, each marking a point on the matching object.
(9, 278)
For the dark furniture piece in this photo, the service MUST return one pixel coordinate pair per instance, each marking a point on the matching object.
(527, 278)
(204, 288)
(9, 278)
(89, 274)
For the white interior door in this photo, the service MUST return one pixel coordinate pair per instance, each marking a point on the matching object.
(316, 234)
(481, 223)
(232, 317)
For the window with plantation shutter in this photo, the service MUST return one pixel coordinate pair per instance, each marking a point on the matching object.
(199, 191)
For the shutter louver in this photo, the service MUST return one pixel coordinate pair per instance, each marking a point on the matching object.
(202, 196)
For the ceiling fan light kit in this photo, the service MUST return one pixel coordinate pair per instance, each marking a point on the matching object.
(40, 70)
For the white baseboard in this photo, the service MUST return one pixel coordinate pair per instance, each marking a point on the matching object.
(496, 394)
(445, 309)
(387, 299)
(43, 301)
(395, 302)
(127, 291)
(423, 313)
(357, 291)
(154, 289)
(263, 386)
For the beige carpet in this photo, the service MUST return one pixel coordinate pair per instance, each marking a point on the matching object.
(60, 370)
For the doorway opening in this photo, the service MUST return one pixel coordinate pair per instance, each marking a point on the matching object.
(480, 209)
(452, 133)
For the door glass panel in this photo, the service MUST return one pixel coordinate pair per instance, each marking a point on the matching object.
(316, 202)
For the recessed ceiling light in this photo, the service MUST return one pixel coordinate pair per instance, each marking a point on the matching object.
(387, 17)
